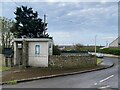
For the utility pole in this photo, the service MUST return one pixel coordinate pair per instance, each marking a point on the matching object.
(106, 43)
(95, 43)
(44, 23)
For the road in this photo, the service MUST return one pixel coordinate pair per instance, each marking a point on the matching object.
(107, 78)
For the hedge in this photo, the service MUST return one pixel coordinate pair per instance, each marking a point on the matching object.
(114, 51)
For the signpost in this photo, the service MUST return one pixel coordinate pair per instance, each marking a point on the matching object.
(8, 56)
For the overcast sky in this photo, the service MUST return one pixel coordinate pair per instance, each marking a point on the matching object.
(74, 22)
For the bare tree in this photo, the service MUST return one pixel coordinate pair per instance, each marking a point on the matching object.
(6, 36)
(78, 47)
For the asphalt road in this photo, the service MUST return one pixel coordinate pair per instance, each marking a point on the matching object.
(107, 78)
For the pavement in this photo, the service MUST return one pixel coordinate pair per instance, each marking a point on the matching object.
(107, 78)
(110, 55)
(107, 55)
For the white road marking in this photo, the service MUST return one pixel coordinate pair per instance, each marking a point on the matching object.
(104, 87)
(95, 83)
(106, 78)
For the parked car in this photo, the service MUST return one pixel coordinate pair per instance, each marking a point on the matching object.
(99, 55)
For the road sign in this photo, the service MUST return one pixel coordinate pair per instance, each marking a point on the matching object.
(8, 52)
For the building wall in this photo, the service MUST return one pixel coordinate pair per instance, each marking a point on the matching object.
(50, 51)
(41, 59)
(17, 54)
(114, 43)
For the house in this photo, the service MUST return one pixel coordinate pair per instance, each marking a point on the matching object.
(36, 51)
(115, 43)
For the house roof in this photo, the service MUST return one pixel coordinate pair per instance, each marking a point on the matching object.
(33, 39)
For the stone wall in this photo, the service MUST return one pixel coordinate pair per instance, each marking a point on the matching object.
(2, 58)
(72, 61)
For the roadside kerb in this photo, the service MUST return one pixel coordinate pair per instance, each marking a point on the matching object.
(58, 75)
(110, 55)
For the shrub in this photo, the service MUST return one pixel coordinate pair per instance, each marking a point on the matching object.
(56, 50)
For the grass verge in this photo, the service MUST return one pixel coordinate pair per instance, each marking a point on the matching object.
(18, 74)
(12, 82)
(2, 68)
(99, 60)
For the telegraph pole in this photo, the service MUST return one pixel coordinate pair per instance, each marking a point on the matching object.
(44, 23)
(95, 43)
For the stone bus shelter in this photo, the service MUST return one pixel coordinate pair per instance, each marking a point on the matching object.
(32, 52)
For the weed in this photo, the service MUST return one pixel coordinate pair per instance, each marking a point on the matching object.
(12, 82)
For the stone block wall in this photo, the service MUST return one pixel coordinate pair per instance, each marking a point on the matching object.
(1, 60)
(71, 61)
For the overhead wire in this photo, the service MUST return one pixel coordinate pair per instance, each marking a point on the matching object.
(16, 3)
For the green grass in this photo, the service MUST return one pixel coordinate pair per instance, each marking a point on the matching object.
(2, 68)
(99, 61)
(12, 82)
